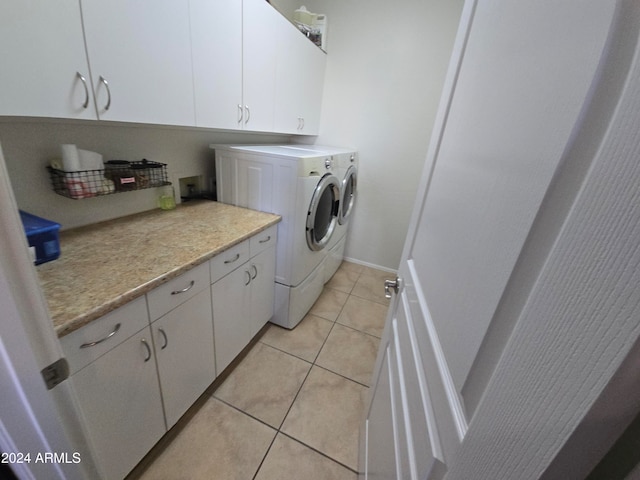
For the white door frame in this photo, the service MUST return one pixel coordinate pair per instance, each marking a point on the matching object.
(34, 420)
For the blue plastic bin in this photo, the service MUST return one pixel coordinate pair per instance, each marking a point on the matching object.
(43, 235)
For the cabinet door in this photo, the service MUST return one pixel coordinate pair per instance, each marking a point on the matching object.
(263, 272)
(230, 297)
(299, 82)
(183, 340)
(42, 52)
(216, 42)
(260, 24)
(142, 49)
(120, 401)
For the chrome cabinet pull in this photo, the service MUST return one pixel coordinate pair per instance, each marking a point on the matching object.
(92, 344)
(166, 340)
(86, 89)
(246, 107)
(146, 345)
(248, 278)
(240, 113)
(233, 259)
(265, 240)
(255, 269)
(302, 127)
(186, 289)
(104, 81)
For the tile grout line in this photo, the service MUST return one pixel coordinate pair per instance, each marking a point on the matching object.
(313, 363)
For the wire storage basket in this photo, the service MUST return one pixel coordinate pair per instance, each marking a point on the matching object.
(117, 176)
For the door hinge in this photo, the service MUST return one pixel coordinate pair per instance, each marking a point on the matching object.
(56, 373)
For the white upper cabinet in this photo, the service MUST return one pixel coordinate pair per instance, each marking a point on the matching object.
(259, 55)
(43, 60)
(253, 70)
(216, 39)
(299, 82)
(229, 64)
(140, 55)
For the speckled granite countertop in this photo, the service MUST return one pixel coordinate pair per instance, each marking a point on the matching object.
(106, 265)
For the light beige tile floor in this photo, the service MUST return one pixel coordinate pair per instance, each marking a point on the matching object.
(292, 407)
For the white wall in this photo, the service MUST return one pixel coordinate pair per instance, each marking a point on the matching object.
(29, 145)
(385, 69)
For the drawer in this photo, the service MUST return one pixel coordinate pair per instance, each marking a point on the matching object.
(98, 337)
(229, 260)
(263, 240)
(177, 291)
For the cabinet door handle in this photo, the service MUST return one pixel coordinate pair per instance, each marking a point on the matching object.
(246, 107)
(166, 340)
(185, 289)
(255, 269)
(302, 128)
(86, 89)
(104, 81)
(248, 278)
(146, 345)
(92, 344)
(233, 259)
(240, 113)
(265, 240)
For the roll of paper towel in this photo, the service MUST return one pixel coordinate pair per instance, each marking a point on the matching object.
(70, 158)
(90, 160)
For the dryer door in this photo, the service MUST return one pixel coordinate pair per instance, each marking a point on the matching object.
(349, 186)
(322, 214)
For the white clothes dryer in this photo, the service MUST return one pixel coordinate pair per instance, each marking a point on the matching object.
(301, 186)
(346, 167)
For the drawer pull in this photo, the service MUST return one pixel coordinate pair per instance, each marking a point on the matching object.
(93, 344)
(185, 289)
(146, 345)
(265, 240)
(233, 259)
(166, 340)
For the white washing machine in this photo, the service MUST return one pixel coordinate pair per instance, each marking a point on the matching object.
(301, 186)
(346, 167)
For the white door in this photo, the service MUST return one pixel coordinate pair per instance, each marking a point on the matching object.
(260, 22)
(518, 282)
(231, 301)
(216, 44)
(44, 63)
(34, 419)
(183, 340)
(140, 57)
(299, 81)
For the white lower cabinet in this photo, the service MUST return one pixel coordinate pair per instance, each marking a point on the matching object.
(138, 369)
(183, 340)
(230, 296)
(120, 401)
(263, 271)
(243, 299)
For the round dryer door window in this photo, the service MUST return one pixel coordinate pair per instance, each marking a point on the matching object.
(323, 212)
(349, 185)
